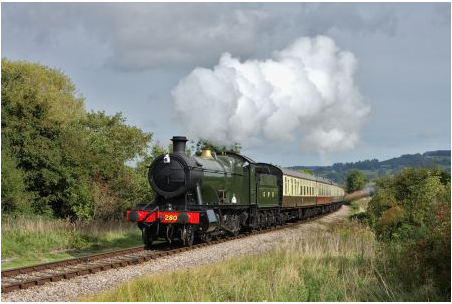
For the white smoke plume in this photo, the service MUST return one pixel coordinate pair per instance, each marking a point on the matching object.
(304, 93)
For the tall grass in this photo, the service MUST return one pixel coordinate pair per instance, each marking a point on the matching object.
(28, 240)
(334, 265)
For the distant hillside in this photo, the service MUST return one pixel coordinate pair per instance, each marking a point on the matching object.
(375, 168)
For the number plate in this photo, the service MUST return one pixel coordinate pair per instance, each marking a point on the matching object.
(170, 218)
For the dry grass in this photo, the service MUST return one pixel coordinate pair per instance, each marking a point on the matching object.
(333, 265)
(31, 240)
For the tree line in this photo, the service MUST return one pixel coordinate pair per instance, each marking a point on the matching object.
(58, 159)
(374, 168)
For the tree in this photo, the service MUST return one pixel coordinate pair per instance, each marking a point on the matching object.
(201, 144)
(355, 181)
(99, 148)
(305, 171)
(37, 104)
(15, 197)
(58, 159)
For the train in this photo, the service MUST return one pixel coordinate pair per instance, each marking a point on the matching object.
(213, 195)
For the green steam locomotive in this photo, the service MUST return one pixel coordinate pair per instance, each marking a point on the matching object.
(211, 195)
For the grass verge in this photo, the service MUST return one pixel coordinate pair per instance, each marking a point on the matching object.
(333, 265)
(33, 240)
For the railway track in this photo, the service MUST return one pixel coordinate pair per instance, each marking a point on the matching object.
(38, 275)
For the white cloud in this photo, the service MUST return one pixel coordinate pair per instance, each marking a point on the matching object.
(306, 90)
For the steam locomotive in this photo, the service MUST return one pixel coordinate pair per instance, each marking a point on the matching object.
(212, 195)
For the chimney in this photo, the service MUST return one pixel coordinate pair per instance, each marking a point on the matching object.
(179, 143)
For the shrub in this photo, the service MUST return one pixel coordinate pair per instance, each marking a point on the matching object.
(410, 215)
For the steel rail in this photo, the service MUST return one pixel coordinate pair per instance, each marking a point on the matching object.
(27, 269)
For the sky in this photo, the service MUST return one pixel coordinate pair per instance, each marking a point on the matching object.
(151, 61)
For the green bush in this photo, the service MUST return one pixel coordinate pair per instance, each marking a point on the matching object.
(410, 215)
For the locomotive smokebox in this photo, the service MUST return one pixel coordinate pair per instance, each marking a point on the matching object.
(179, 143)
(173, 174)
